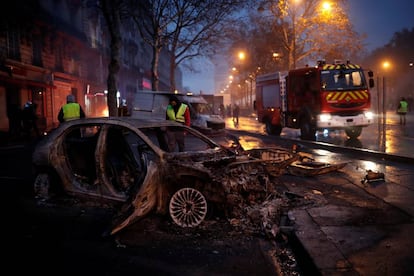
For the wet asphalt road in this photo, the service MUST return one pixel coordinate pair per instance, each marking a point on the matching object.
(362, 228)
(396, 140)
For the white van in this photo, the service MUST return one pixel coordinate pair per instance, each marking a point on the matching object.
(153, 104)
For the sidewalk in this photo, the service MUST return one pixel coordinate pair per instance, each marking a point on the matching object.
(358, 228)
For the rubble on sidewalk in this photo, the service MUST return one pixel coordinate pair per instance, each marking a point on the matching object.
(372, 176)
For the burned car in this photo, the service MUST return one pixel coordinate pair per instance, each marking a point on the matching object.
(122, 163)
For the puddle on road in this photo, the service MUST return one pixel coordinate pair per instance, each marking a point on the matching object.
(250, 142)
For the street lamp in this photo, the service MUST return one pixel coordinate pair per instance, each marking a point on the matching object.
(326, 7)
(243, 66)
(386, 65)
(242, 55)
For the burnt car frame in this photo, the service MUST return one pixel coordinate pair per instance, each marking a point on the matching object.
(121, 163)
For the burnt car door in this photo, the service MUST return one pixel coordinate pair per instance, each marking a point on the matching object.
(122, 166)
(78, 149)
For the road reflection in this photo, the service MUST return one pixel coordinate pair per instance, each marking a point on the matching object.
(391, 138)
(369, 139)
(338, 137)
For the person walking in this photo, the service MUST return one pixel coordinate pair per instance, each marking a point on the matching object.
(402, 110)
(236, 112)
(222, 111)
(177, 112)
(14, 113)
(71, 110)
(29, 120)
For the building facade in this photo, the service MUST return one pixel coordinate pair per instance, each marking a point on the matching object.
(52, 48)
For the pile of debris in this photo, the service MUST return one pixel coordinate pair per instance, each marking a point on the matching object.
(256, 200)
(254, 196)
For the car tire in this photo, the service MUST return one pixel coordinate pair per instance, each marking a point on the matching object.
(307, 130)
(188, 207)
(353, 132)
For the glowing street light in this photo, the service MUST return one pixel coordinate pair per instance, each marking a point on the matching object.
(241, 55)
(386, 65)
(326, 7)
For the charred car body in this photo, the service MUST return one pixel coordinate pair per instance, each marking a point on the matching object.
(121, 163)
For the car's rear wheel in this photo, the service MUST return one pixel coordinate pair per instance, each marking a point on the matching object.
(307, 129)
(188, 207)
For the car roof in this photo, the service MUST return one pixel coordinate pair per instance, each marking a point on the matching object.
(137, 122)
(127, 122)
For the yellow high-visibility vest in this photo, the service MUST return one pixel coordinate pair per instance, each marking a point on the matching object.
(71, 111)
(179, 117)
(403, 107)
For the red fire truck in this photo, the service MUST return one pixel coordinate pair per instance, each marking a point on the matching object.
(327, 96)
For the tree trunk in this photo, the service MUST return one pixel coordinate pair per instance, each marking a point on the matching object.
(173, 66)
(154, 68)
(111, 11)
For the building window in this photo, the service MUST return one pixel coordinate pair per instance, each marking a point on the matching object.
(37, 51)
(13, 45)
(59, 59)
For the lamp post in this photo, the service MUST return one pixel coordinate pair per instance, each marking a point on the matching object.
(385, 65)
(243, 62)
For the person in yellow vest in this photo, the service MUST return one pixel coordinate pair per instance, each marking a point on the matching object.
(177, 112)
(71, 110)
(402, 110)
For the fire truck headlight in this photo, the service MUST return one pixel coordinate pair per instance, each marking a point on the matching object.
(325, 117)
(369, 115)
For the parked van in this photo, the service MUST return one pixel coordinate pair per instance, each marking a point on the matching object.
(153, 104)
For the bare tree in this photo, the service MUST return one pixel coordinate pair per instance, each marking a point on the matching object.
(199, 29)
(153, 18)
(111, 10)
(306, 30)
(185, 28)
(398, 52)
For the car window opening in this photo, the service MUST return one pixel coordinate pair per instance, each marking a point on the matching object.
(122, 168)
(80, 146)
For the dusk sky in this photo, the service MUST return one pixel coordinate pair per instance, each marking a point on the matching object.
(379, 20)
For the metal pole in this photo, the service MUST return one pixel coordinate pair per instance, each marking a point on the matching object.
(251, 93)
(384, 115)
(379, 117)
